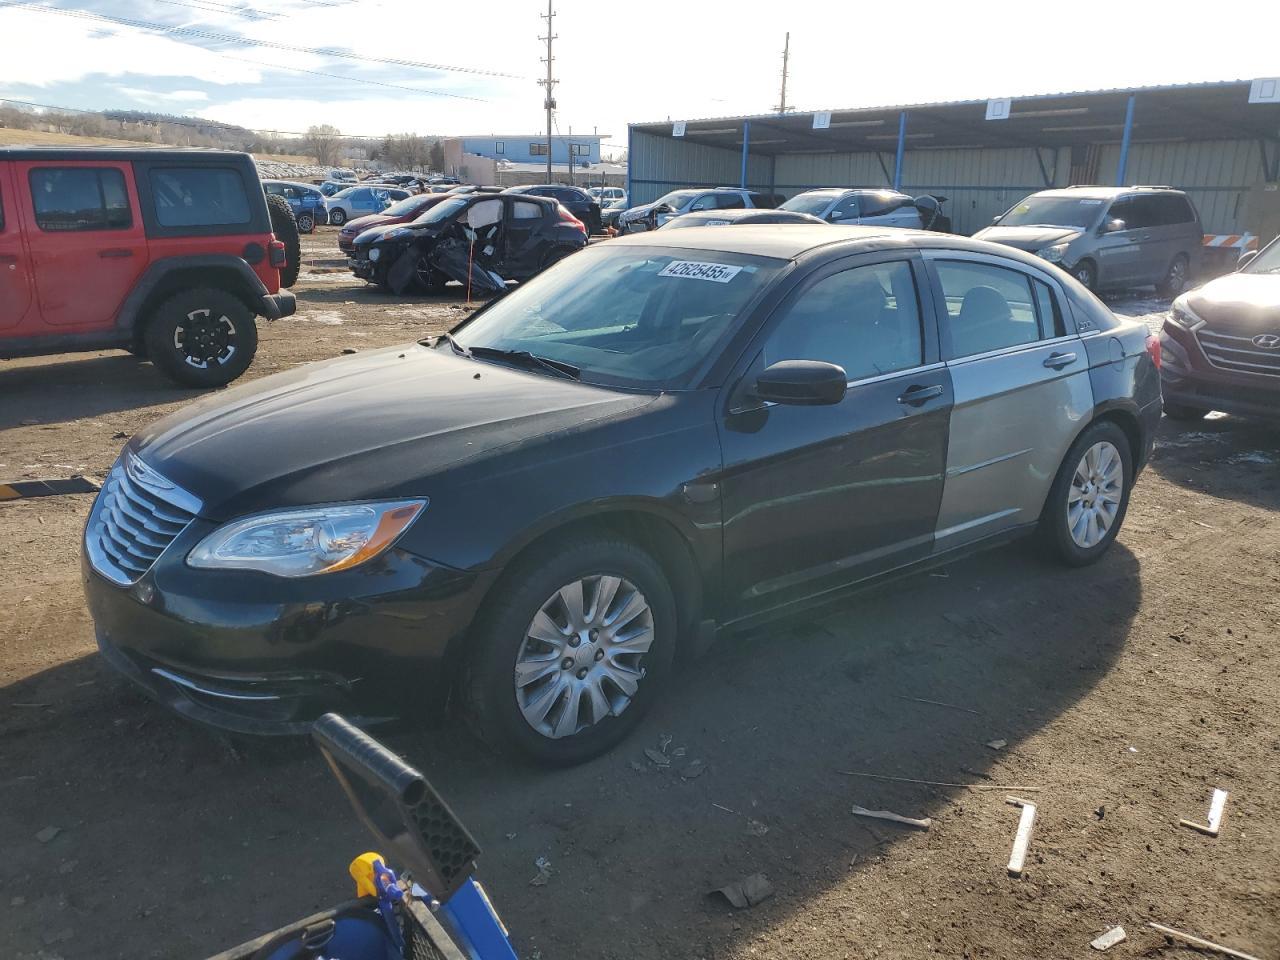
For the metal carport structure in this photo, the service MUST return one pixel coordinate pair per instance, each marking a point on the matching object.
(1215, 140)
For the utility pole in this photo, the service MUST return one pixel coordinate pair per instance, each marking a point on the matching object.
(786, 55)
(550, 83)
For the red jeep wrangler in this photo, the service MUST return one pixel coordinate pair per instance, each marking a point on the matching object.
(170, 254)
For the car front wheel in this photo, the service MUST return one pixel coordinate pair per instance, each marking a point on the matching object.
(1086, 273)
(337, 216)
(572, 651)
(1089, 496)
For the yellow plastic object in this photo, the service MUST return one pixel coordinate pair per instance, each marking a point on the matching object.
(362, 871)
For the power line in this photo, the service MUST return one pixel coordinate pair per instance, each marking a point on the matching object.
(335, 76)
(246, 12)
(155, 27)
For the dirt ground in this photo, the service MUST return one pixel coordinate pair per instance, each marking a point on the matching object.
(1125, 692)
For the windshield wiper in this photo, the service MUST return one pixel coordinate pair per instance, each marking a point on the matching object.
(457, 347)
(559, 367)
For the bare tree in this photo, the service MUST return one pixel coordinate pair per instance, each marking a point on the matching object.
(324, 143)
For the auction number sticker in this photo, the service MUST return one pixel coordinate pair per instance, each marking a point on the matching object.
(696, 270)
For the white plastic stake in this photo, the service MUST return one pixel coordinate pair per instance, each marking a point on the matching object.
(1106, 941)
(1022, 839)
(1217, 806)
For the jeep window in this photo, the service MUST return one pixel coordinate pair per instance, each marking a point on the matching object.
(642, 317)
(199, 196)
(80, 198)
(1081, 212)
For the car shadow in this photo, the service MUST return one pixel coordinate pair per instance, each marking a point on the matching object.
(360, 292)
(239, 837)
(1191, 454)
(64, 390)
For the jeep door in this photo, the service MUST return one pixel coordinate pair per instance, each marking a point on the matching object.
(1022, 391)
(815, 497)
(87, 243)
(15, 264)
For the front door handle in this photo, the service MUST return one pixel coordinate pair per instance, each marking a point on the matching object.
(1056, 361)
(116, 253)
(917, 395)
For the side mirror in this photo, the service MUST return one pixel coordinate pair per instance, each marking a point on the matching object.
(1112, 226)
(806, 383)
(997, 219)
(1246, 258)
(837, 215)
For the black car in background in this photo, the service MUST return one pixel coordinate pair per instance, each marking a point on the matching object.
(578, 202)
(662, 437)
(479, 239)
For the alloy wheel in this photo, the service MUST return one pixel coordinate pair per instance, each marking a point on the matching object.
(581, 660)
(1177, 278)
(1094, 498)
(203, 339)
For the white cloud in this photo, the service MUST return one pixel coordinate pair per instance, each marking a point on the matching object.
(156, 96)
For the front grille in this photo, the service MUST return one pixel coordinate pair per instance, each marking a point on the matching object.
(1238, 354)
(137, 515)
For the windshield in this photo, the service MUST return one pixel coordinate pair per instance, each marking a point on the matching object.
(813, 203)
(616, 204)
(1268, 261)
(643, 317)
(676, 199)
(404, 207)
(1079, 212)
(341, 194)
(444, 210)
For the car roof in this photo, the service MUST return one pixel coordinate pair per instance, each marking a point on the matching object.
(793, 240)
(294, 183)
(18, 152)
(1102, 193)
(751, 213)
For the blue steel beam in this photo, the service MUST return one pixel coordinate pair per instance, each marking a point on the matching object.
(902, 144)
(631, 157)
(746, 147)
(1124, 142)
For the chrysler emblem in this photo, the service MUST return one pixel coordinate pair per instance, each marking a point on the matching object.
(1267, 341)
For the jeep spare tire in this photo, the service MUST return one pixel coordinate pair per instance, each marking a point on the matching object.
(285, 227)
(202, 338)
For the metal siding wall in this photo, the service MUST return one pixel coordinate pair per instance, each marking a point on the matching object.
(1223, 171)
(662, 164)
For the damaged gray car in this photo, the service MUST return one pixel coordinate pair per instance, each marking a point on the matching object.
(481, 240)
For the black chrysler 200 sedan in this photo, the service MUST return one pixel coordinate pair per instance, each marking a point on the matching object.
(660, 438)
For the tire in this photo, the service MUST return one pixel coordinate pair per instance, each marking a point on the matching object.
(306, 223)
(1176, 278)
(531, 591)
(229, 326)
(429, 280)
(285, 228)
(337, 217)
(1086, 271)
(1104, 439)
(1178, 411)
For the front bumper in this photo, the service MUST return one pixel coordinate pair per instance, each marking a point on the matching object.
(1188, 378)
(274, 306)
(255, 654)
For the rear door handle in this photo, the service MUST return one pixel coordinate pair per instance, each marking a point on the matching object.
(116, 253)
(918, 395)
(1056, 361)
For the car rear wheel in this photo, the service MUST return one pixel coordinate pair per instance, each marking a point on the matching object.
(1178, 411)
(202, 338)
(1086, 273)
(306, 223)
(1089, 496)
(337, 216)
(572, 650)
(1175, 280)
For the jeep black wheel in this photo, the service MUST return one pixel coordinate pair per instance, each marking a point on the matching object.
(285, 228)
(202, 337)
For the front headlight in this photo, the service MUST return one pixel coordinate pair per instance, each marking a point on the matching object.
(300, 543)
(1182, 315)
(375, 253)
(1053, 254)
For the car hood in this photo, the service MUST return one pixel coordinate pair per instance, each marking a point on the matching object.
(378, 233)
(375, 425)
(1027, 238)
(640, 212)
(361, 224)
(1250, 301)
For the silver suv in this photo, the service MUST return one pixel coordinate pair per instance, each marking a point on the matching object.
(871, 206)
(650, 216)
(1108, 237)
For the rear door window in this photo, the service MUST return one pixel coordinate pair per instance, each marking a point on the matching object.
(1128, 210)
(988, 307)
(525, 210)
(72, 199)
(705, 202)
(846, 209)
(730, 201)
(200, 196)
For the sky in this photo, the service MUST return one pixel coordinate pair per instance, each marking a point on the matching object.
(636, 61)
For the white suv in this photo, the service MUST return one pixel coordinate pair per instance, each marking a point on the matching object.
(650, 216)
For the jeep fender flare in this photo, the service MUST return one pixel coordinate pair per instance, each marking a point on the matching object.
(249, 286)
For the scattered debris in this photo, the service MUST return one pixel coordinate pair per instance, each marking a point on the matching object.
(1109, 939)
(941, 783)
(924, 824)
(544, 872)
(720, 806)
(119, 435)
(1101, 811)
(638, 767)
(48, 833)
(1133, 749)
(746, 892)
(678, 752)
(997, 744)
(1216, 807)
(657, 757)
(1022, 839)
(664, 741)
(1199, 942)
(756, 829)
(511, 836)
(938, 703)
(347, 351)
(693, 770)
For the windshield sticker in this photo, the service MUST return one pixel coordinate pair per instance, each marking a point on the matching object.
(1090, 203)
(695, 270)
